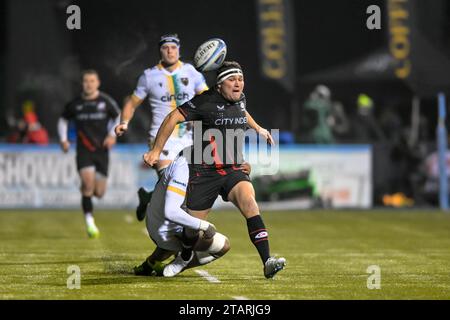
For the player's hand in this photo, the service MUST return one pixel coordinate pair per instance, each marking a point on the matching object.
(151, 157)
(246, 168)
(65, 145)
(266, 134)
(121, 128)
(209, 230)
(109, 142)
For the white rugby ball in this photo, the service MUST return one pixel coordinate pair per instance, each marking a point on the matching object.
(210, 55)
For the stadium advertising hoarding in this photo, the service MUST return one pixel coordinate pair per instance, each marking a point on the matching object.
(44, 177)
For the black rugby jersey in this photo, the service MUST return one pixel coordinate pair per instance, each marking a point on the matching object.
(91, 120)
(214, 116)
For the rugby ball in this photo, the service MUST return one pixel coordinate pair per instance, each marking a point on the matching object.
(210, 55)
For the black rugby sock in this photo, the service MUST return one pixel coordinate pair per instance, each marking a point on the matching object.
(86, 204)
(259, 236)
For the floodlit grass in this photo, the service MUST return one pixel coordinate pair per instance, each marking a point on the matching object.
(328, 253)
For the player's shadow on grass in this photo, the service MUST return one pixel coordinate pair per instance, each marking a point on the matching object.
(132, 279)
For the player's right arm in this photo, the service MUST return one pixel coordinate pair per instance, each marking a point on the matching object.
(62, 132)
(164, 132)
(188, 111)
(131, 104)
(63, 124)
(127, 114)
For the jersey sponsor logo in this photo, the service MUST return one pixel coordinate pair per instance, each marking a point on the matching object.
(91, 116)
(262, 234)
(179, 96)
(185, 81)
(180, 183)
(228, 121)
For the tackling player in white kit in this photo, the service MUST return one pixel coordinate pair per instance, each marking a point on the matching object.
(167, 224)
(167, 85)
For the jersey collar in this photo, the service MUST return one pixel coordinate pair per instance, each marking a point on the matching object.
(177, 68)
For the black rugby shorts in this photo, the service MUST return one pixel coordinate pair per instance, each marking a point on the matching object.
(98, 159)
(206, 185)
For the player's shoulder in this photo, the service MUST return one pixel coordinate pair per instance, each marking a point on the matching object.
(207, 97)
(75, 101)
(106, 97)
(186, 66)
(151, 71)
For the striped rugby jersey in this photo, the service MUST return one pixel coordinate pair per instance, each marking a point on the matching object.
(168, 90)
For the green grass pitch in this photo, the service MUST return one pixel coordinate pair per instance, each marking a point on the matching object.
(327, 252)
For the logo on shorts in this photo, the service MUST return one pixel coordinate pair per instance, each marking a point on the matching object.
(262, 234)
(184, 81)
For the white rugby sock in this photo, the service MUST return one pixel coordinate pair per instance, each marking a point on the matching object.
(89, 219)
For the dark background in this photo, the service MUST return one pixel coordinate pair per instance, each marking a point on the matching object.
(43, 58)
(40, 59)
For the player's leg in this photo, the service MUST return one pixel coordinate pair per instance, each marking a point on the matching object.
(171, 150)
(203, 189)
(242, 195)
(101, 173)
(144, 195)
(208, 250)
(153, 264)
(100, 185)
(204, 251)
(87, 177)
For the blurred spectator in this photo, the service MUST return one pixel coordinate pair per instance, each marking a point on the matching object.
(427, 179)
(339, 121)
(28, 129)
(323, 119)
(316, 111)
(365, 126)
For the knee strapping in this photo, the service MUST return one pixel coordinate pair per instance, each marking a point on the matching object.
(219, 246)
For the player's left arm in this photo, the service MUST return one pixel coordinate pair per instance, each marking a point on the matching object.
(265, 133)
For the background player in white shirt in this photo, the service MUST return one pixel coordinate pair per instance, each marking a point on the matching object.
(167, 85)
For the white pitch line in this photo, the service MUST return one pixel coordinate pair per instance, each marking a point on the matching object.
(144, 231)
(240, 298)
(207, 276)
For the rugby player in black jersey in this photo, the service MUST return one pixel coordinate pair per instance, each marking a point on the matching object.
(221, 109)
(95, 115)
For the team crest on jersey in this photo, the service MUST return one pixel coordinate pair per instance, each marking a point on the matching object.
(185, 81)
(79, 107)
(101, 106)
(160, 84)
(242, 105)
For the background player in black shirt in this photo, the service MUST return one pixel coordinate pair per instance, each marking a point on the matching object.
(95, 115)
(217, 171)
